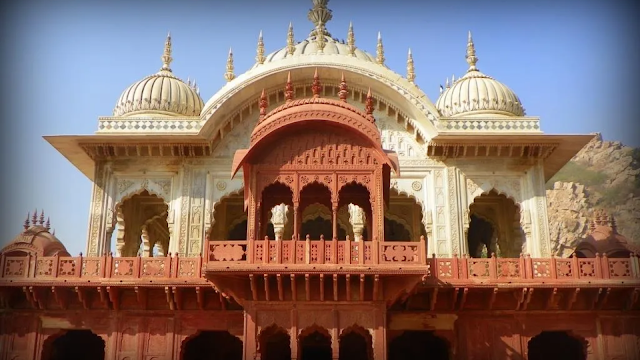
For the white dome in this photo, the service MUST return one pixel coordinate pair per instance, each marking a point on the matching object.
(309, 46)
(160, 94)
(478, 94)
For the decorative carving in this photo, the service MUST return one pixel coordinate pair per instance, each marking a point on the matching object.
(453, 210)
(357, 218)
(416, 186)
(97, 208)
(279, 219)
(221, 185)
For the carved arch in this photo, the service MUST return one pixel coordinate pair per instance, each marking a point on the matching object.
(268, 332)
(317, 210)
(365, 333)
(211, 218)
(126, 189)
(510, 188)
(417, 111)
(314, 328)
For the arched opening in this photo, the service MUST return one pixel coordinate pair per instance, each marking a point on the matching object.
(356, 194)
(272, 195)
(552, 345)
(229, 220)
(142, 226)
(316, 198)
(212, 345)
(403, 218)
(418, 345)
(494, 226)
(355, 344)
(314, 344)
(274, 344)
(74, 345)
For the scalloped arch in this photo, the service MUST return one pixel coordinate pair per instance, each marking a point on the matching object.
(487, 186)
(133, 192)
(421, 112)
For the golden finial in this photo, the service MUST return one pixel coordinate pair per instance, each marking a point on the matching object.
(351, 40)
(472, 60)
(166, 56)
(316, 88)
(229, 75)
(319, 15)
(342, 94)
(411, 75)
(320, 40)
(380, 50)
(260, 51)
(290, 40)
(288, 89)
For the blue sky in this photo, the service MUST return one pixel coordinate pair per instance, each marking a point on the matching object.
(67, 63)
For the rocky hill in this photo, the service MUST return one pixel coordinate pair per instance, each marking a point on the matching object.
(603, 175)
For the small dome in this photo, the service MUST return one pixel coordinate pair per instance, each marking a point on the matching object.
(478, 94)
(160, 94)
(36, 239)
(309, 46)
(603, 238)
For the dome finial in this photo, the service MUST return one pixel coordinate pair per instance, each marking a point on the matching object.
(316, 87)
(288, 89)
(320, 40)
(229, 75)
(380, 50)
(319, 15)
(472, 60)
(291, 48)
(411, 74)
(260, 50)
(351, 40)
(166, 56)
(27, 223)
(342, 94)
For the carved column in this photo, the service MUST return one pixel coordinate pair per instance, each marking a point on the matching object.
(279, 220)
(537, 201)
(334, 218)
(98, 243)
(357, 220)
(296, 220)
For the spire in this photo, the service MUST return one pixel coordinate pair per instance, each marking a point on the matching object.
(229, 75)
(34, 218)
(290, 40)
(47, 225)
(411, 75)
(446, 83)
(288, 89)
(260, 50)
(471, 54)
(351, 40)
(342, 94)
(453, 79)
(380, 50)
(189, 81)
(166, 56)
(368, 106)
(262, 104)
(41, 220)
(319, 15)
(26, 222)
(316, 88)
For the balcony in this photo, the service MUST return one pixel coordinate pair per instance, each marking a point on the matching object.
(361, 257)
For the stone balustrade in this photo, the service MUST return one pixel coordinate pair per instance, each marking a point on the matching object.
(225, 254)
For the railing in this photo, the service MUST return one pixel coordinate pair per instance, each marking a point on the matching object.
(69, 268)
(534, 269)
(237, 253)
(343, 252)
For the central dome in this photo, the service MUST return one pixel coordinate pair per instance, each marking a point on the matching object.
(309, 46)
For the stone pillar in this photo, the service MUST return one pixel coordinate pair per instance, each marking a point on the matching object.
(357, 219)
(279, 220)
(296, 220)
(334, 219)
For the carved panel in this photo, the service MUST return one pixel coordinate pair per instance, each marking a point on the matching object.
(183, 237)
(440, 205)
(127, 187)
(453, 210)
(97, 210)
(320, 148)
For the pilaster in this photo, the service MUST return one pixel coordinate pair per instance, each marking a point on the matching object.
(98, 243)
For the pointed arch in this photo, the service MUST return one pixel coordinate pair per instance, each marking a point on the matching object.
(355, 343)
(274, 342)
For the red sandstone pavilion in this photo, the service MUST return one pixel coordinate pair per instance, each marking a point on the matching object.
(319, 206)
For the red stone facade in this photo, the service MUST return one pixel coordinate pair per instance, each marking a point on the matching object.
(314, 298)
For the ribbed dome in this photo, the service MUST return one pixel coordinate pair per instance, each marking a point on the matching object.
(478, 94)
(160, 94)
(309, 47)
